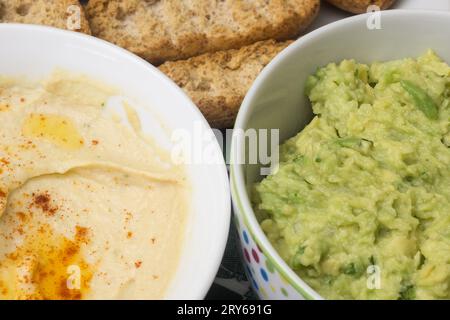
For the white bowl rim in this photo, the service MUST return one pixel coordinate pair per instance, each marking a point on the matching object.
(214, 261)
(237, 182)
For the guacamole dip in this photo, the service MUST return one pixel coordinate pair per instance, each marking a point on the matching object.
(360, 204)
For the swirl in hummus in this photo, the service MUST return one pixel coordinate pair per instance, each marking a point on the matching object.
(90, 209)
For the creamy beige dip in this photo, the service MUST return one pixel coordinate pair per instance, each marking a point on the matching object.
(90, 209)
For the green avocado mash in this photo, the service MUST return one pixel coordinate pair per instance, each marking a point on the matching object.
(360, 204)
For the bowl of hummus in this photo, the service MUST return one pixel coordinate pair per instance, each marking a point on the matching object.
(105, 192)
(356, 201)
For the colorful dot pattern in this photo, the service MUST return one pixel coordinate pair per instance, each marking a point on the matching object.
(267, 282)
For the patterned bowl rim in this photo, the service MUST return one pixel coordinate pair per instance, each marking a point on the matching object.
(266, 248)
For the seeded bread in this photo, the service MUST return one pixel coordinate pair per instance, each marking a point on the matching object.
(360, 6)
(56, 13)
(161, 30)
(217, 82)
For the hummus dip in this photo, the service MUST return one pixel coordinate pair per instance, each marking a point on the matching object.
(90, 209)
(360, 205)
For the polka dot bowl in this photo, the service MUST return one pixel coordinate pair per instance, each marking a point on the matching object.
(277, 101)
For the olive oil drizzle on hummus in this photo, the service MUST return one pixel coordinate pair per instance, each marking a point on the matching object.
(91, 209)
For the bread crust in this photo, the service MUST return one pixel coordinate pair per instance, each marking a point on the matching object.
(162, 30)
(217, 82)
(44, 12)
(360, 6)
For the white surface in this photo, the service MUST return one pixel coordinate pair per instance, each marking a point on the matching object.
(34, 51)
(329, 13)
(277, 101)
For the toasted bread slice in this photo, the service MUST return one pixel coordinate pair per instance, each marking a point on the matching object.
(162, 30)
(360, 6)
(217, 82)
(63, 14)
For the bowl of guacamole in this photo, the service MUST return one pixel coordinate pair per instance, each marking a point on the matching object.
(358, 203)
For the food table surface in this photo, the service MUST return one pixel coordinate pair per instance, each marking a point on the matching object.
(231, 282)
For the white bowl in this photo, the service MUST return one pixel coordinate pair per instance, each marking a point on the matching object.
(35, 51)
(277, 101)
